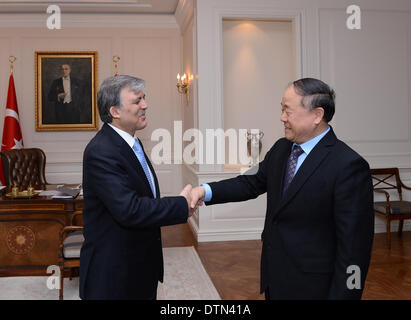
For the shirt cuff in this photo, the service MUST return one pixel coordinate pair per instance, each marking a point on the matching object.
(208, 192)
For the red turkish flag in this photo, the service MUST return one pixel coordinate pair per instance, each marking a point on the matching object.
(12, 137)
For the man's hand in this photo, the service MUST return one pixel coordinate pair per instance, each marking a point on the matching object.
(197, 197)
(186, 193)
(61, 96)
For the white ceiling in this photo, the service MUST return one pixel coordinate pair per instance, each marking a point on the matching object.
(97, 6)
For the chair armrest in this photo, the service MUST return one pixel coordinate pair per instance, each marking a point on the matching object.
(387, 204)
(387, 195)
(67, 230)
(74, 215)
(63, 235)
(404, 186)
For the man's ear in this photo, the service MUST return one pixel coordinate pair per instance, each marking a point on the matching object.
(319, 114)
(115, 112)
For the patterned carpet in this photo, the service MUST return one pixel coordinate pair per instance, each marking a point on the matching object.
(184, 279)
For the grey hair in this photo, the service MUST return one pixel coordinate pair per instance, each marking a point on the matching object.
(109, 94)
(316, 94)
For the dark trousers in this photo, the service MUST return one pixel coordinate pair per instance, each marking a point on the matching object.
(301, 286)
(267, 294)
(286, 280)
(67, 113)
(96, 295)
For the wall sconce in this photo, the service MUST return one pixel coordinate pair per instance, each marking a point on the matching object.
(183, 83)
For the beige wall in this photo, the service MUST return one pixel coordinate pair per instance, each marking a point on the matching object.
(258, 60)
(148, 47)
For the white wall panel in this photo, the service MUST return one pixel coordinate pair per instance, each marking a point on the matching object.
(369, 70)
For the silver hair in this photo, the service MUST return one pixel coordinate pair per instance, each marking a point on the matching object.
(314, 94)
(305, 100)
(109, 94)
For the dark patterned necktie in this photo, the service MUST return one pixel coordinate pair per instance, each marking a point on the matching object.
(291, 165)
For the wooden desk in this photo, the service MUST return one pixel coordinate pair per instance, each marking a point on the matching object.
(29, 232)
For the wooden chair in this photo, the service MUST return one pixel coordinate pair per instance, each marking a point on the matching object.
(24, 167)
(383, 180)
(71, 240)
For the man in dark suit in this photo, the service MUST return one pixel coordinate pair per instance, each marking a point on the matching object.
(67, 94)
(319, 223)
(121, 257)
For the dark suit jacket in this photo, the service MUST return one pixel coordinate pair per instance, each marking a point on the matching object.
(76, 90)
(80, 106)
(323, 224)
(121, 257)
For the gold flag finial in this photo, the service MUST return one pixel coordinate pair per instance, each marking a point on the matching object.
(116, 59)
(12, 59)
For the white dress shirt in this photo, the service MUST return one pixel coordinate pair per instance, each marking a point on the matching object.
(130, 141)
(67, 89)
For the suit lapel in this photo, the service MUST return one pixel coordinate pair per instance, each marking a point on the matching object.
(278, 175)
(309, 166)
(156, 185)
(73, 87)
(129, 154)
(60, 87)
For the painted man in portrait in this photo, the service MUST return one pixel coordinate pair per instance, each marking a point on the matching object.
(67, 94)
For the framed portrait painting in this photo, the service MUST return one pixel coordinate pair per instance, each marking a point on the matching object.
(66, 85)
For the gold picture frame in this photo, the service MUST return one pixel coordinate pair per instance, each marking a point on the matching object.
(69, 104)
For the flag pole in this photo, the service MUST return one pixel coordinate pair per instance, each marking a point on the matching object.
(12, 137)
(12, 59)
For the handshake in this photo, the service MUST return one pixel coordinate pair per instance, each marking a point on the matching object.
(194, 197)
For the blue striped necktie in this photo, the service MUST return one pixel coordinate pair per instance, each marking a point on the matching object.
(138, 150)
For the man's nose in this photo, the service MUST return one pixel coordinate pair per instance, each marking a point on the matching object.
(283, 118)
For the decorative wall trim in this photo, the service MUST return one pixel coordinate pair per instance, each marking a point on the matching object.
(228, 235)
(248, 234)
(380, 226)
(89, 20)
(184, 14)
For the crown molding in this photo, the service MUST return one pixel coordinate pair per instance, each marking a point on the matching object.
(91, 6)
(88, 20)
(184, 13)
